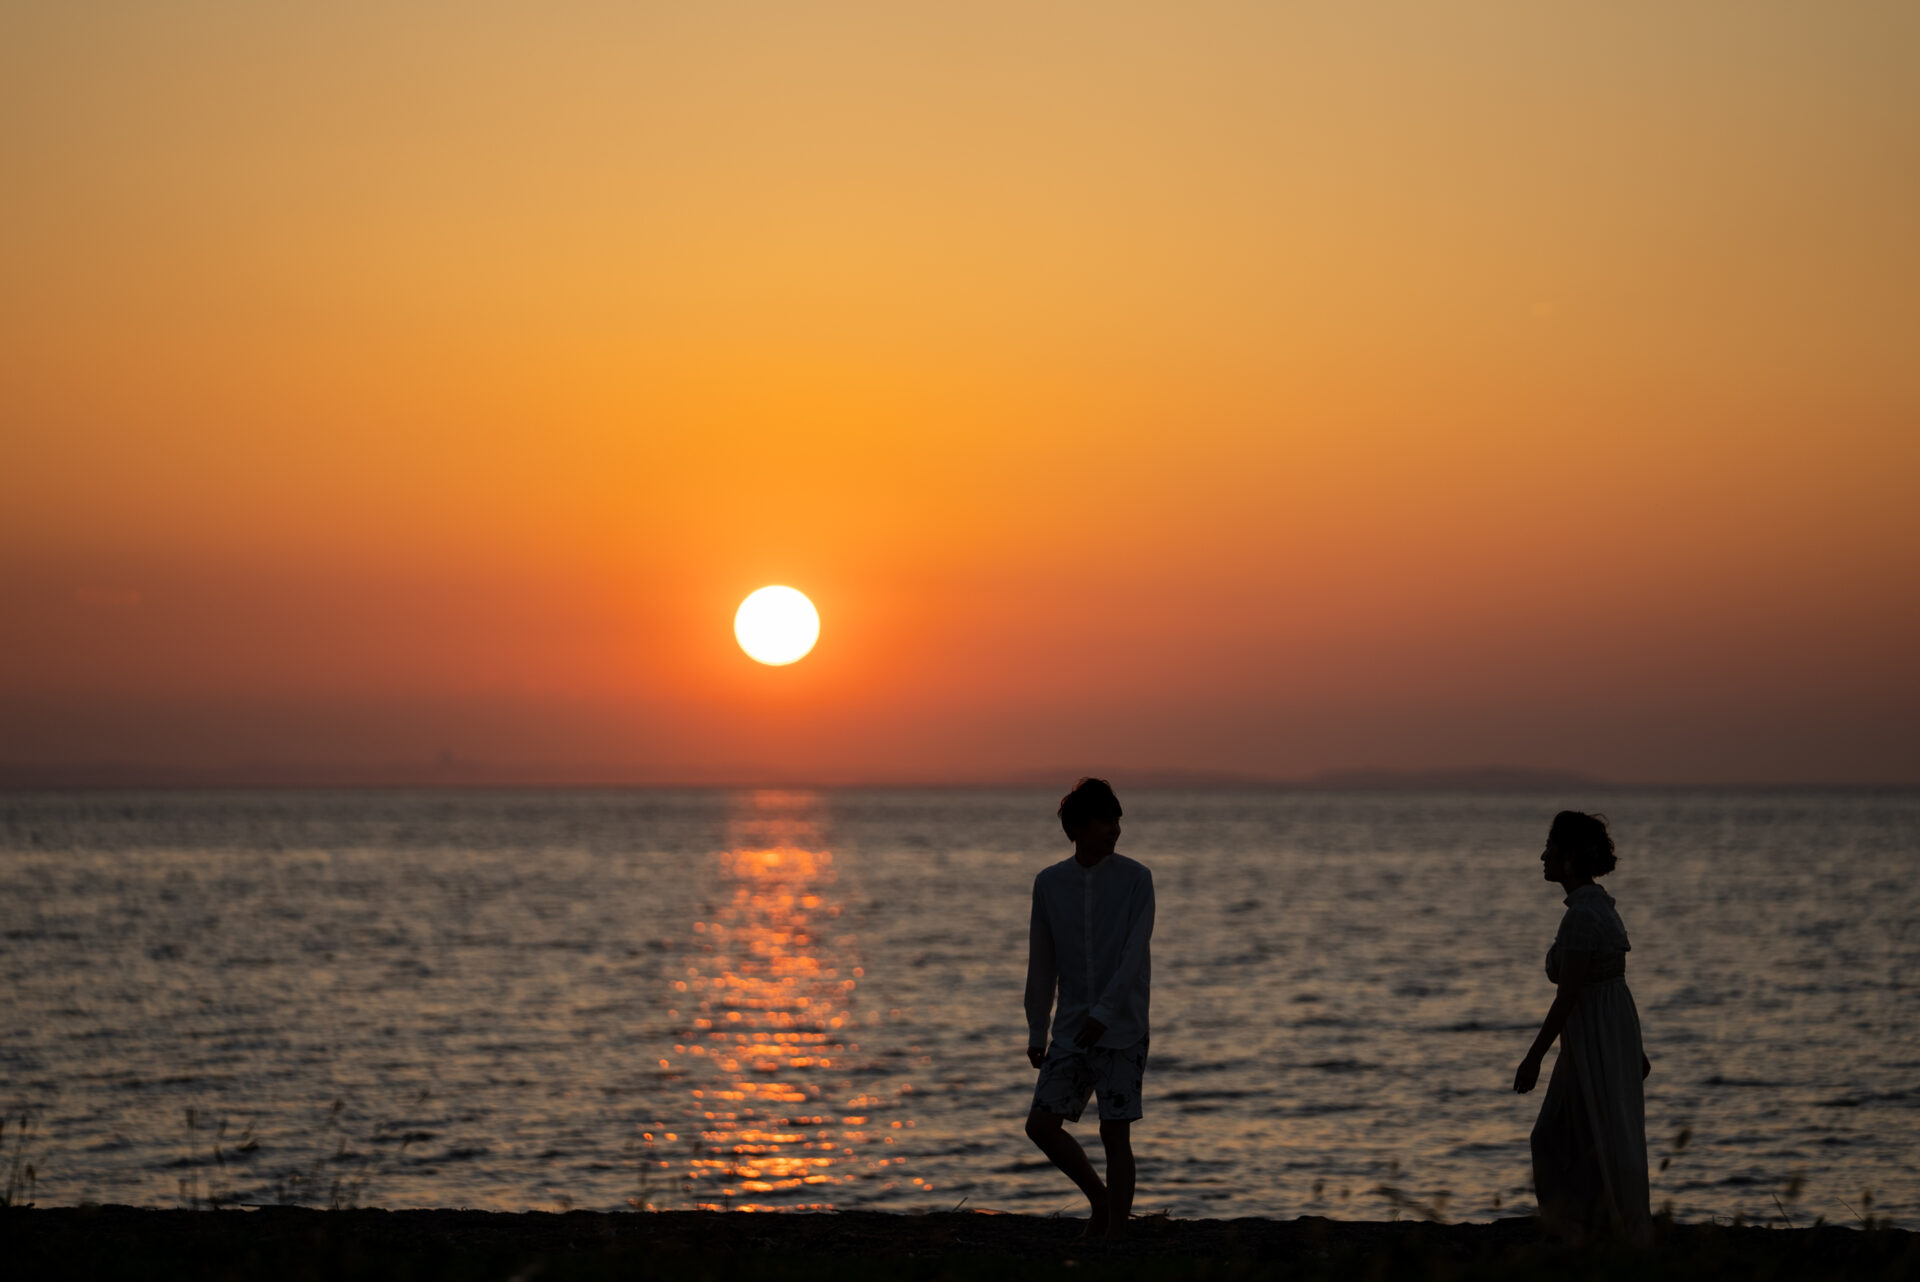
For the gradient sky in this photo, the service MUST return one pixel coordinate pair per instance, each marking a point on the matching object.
(1269, 388)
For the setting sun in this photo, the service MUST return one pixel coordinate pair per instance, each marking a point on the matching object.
(776, 625)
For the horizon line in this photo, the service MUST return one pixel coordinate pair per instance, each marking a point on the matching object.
(460, 775)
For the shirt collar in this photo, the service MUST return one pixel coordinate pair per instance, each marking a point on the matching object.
(1588, 891)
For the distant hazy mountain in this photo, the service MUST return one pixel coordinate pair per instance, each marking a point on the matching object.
(1469, 779)
(1466, 779)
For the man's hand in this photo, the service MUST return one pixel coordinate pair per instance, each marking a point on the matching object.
(1527, 1075)
(1035, 1055)
(1091, 1031)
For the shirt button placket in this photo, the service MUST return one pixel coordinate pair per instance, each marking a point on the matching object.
(1086, 934)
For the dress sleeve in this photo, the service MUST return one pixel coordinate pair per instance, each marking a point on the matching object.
(1581, 932)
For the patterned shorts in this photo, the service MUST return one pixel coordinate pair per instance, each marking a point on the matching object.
(1069, 1075)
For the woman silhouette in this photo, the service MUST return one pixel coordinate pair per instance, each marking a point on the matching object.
(1590, 1144)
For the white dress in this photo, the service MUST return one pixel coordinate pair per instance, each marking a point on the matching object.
(1590, 1144)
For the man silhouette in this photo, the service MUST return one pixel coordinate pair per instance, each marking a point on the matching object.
(1092, 924)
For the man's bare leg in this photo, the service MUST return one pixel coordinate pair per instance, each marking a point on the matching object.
(1065, 1152)
(1117, 1138)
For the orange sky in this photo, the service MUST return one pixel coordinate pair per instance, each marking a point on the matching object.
(1264, 388)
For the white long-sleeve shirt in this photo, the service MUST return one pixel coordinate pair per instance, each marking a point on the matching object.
(1089, 937)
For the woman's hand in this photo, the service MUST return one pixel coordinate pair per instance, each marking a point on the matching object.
(1036, 1055)
(1527, 1075)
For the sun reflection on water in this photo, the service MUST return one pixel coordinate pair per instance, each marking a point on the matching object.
(783, 1110)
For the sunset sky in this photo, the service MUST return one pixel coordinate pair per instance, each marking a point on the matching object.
(1258, 387)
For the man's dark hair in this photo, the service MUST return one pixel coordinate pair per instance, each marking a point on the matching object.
(1585, 841)
(1090, 799)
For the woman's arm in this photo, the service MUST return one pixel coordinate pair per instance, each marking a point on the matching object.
(1574, 969)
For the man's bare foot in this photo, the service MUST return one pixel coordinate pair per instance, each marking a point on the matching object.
(1097, 1229)
(1117, 1229)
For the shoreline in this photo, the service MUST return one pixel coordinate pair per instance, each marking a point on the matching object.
(288, 1244)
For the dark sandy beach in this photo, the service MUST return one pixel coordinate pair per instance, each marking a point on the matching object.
(288, 1244)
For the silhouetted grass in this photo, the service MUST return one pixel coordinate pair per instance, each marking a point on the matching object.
(216, 1172)
(14, 1150)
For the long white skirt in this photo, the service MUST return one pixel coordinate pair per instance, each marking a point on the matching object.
(1590, 1144)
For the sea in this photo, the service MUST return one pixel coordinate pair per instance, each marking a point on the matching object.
(811, 1000)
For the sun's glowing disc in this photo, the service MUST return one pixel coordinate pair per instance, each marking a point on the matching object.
(776, 625)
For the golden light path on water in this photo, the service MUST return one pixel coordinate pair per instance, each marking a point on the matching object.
(765, 1034)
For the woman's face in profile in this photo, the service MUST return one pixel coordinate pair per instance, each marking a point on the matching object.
(1553, 864)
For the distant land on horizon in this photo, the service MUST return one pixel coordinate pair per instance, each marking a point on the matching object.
(459, 773)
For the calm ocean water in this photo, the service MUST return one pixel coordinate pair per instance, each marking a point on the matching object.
(788, 999)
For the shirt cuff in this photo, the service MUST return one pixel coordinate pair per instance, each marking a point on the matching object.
(1102, 1014)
